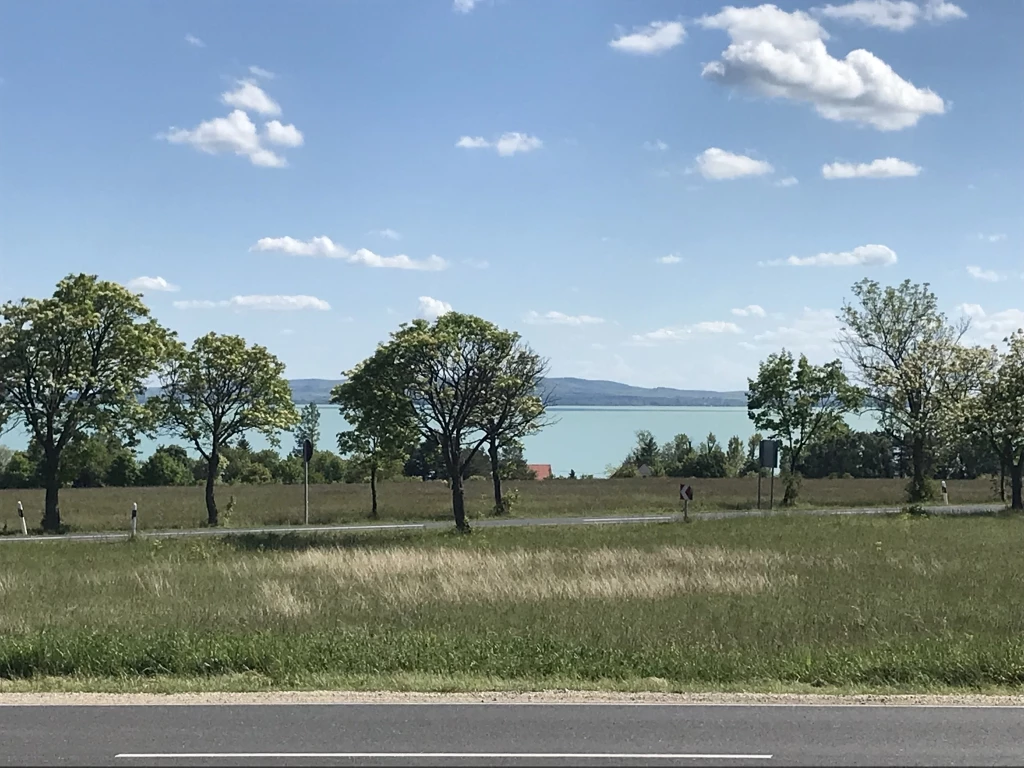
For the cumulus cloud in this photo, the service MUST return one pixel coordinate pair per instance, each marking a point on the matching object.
(431, 309)
(235, 133)
(194, 41)
(812, 330)
(991, 328)
(789, 181)
(656, 37)
(751, 310)
(782, 55)
(894, 15)
(684, 332)
(987, 275)
(143, 284)
(670, 259)
(285, 135)
(258, 302)
(861, 256)
(883, 168)
(656, 146)
(251, 98)
(717, 164)
(560, 318)
(324, 247)
(506, 145)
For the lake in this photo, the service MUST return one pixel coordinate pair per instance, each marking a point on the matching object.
(586, 439)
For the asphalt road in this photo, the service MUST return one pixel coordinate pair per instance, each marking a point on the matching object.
(509, 734)
(966, 509)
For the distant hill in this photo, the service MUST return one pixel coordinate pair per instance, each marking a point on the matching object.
(564, 392)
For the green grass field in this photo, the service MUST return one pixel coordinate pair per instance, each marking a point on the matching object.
(98, 509)
(882, 603)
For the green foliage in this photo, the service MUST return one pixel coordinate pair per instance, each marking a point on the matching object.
(168, 465)
(308, 428)
(76, 363)
(20, 472)
(512, 464)
(796, 401)
(220, 390)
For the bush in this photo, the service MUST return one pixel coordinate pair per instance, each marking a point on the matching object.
(165, 467)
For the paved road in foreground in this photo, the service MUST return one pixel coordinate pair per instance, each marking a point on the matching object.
(514, 522)
(509, 734)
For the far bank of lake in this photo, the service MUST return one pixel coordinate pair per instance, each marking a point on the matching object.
(587, 439)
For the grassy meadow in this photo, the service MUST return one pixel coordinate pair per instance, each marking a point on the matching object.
(104, 509)
(880, 603)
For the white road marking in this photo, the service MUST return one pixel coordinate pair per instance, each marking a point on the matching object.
(442, 755)
(643, 519)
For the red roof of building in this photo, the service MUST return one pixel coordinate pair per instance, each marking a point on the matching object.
(543, 471)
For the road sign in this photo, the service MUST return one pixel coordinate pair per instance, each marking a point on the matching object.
(769, 453)
(307, 450)
(644, 471)
(685, 492)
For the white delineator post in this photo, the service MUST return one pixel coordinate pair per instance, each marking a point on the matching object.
(21, 515)
(135, 518)
(945, 494)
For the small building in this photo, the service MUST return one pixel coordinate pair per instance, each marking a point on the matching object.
(542, 471)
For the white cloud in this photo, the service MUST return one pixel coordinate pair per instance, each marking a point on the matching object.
(285, 135)
(883, 168)
(861, 256)
(144, 283)
(670, 259)
(993, 238)
(991, 328)
(251, 97)
(195, 41)
(476, 263)
(560, 318)
(813, 330)
(258, 302)
(389, 234)
(463, 6)
(783, 55)
(324, 247)
(751, 310)
(261, 72)
(506, 145)
(431, 309)
(717, 164)
(894, 15)
(656, 146)
(789, 181)
(988, 275)
(235, 133)
(684, 332)
(656, 37)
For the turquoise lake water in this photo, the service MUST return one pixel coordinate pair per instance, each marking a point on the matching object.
(586, 439)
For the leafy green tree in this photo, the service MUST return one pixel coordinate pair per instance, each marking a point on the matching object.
(903, 351)
(372, 401)
(447, 369)
(289, 470)
(5, 456)
(795, 401)
(995, 409)
(734, 456)
(327, 467)
(123, 471)
(426, 462)
(166, 466)
(515, 408)
(74, 363)
(308, 428)
(20, 472)
(512, 464)
(218, 391)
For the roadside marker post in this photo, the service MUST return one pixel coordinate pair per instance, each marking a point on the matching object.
(686, 496)
(21, 515)
(768, 455)
(307, 454)
(135, 518)
(945, 494)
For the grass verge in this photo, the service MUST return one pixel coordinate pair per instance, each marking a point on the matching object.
(890, 604)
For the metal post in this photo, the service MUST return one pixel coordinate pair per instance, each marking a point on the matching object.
(686, 507)
(771, 502)
(760, 474)
(135, 518)
(24, 525)
(305, 484)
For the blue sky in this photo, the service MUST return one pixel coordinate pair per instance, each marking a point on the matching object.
(651, 191)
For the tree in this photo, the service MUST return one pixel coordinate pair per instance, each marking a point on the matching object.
(447, 370)
(383, 430)
(903, 351)
(995, 409)
(309, 427)
(734, 456)
(513, 408)
(512, 465)
(74, 363)
(218, 391)
(166, 466)
(797, 401)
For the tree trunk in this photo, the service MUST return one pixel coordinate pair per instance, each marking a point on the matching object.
(499, 504)
(51, 480)
(373, 491)
(918, 486)
(211, 503)
(459, 503)
(1002, 481)
(1016, 471)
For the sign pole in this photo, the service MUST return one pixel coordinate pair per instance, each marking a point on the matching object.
(307, 454)
(21, 515)
(771, 501)
(760, 473)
